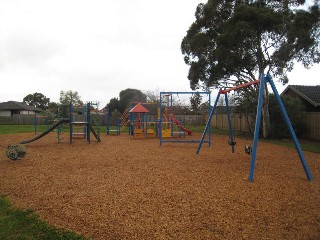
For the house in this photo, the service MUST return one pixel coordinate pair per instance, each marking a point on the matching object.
(309, 95)
(7, 109)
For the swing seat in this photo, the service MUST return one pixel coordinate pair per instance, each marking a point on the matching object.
(232, 142)
(248, 149)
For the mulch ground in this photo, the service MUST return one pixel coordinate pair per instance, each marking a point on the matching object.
(122, 188)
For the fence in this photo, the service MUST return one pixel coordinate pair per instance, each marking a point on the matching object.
(239, 123)
(219, 121)
(312, 122)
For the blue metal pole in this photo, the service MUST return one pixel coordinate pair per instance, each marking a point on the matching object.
(231, 140)
(145, 124)
(208, 123)
(289, 125)
(118, 125)
(209, 130)
(160, 123)
(108, 121)
(88, 123)
(171, 121)
(257, 128)
(35, 123)
(70, 121)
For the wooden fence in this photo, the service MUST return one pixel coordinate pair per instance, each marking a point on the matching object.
(219, 121)
(312, 122)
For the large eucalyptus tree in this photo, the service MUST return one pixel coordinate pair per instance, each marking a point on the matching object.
(242, 39)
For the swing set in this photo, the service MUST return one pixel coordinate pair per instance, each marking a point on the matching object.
(252, 150)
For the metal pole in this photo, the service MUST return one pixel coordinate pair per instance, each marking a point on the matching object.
(208, 123)
(289, 125)
(70, 121)
(257, 128)
(160, 122)
(231, 139)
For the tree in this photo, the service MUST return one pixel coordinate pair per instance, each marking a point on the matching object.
(53, 107)
(37, 100)
(295, 110)
(67, 97)
(114, 104)
(246, 101)
(195, 101)
(244, 38)
(130, 95)
(152, 96)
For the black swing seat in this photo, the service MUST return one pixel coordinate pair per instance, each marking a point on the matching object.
(248, 149)
(232, 142)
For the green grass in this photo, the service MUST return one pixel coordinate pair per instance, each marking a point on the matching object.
(11, 129)
(306, 145)
(310, 146)
(24, 224)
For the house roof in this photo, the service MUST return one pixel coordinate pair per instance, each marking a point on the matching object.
(13, 105)
(139, 109)
(309, 93)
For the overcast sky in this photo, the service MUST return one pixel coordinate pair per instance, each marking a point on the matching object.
(98, 48)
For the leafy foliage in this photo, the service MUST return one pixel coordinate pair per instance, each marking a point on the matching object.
(113, 105)
(152, 96)
(37, 100)
(67, 97)
(130, 95)
(240, 39)
(53, 107)
(127, 96)
(195, 101)
(295, 110)
(246, 101)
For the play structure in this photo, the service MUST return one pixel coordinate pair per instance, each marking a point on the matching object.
(140, 124)
(81, 123)
(113, 123)
(173, 129)
(80, 126)
(252, 150)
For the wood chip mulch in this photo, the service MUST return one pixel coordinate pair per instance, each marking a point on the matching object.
(123, 188)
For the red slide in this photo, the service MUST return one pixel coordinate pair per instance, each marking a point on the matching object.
(176, 122)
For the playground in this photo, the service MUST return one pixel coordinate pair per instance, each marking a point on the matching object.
(125, 188)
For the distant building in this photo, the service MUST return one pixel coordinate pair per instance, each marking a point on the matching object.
(309, 95)
(7, 109)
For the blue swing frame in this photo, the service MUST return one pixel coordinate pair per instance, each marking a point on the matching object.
(264, 80)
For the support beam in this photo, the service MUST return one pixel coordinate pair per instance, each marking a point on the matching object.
(224, 91)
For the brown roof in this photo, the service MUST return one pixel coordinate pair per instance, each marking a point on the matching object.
(309, 93)
(13, 105)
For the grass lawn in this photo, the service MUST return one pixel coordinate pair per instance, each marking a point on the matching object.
(306, 145)
(24, 224)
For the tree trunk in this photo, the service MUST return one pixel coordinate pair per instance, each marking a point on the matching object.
(265, 113)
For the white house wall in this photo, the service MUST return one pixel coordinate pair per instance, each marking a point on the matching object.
(5, 113)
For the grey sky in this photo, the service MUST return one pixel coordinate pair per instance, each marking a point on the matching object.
(97, 47)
